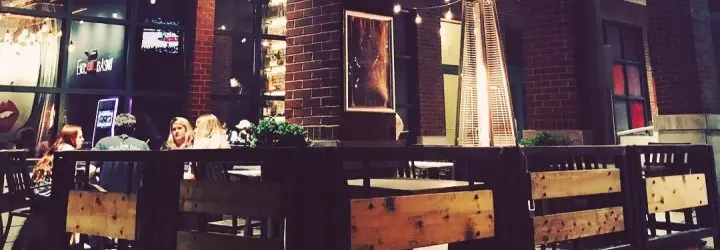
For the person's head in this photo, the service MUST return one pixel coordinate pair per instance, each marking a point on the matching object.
(71, 135)
(180, 133)
(208, 125)
(125, 124)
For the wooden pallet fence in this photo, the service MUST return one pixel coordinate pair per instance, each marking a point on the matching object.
(102, 214)
(405, 222)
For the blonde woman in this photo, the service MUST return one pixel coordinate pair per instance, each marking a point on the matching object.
(210, 134)
(181, 134)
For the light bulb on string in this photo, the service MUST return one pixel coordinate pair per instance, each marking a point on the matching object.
(449, 15)
(71, 47)
(397, 8)
(418, 19)
(7, 37)
(152, 1)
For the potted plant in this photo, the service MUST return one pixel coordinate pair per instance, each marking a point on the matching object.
(544, 138)
(272, 133)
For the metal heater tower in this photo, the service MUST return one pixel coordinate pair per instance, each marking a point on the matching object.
(485, 115)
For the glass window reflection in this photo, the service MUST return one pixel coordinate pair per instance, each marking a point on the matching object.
(232, 66)
(158, 64)
(168, 12)
(274, 18)
(29, 48)
(39, 5)
(115, 9)
(27, 119)
(273, 57)
(96, 58)
(233, 15)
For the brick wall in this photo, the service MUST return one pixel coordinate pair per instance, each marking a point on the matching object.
(551, 92)
(684, 67)
(201, 67)
(633, 14)
(314, 69)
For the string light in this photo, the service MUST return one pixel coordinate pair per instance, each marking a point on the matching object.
(418, 19)
(449, 15)
(71, 47)
(115, 15)
(397, 8)
(152, 1)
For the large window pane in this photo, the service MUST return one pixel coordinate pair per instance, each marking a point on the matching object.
(632, 45)
(637, 112)
(274, 18)
(29, 51)
(82, 110)
(171, 12)
(274, 67)
(158, 65)
(97, 56)
(26, 119)
(634, 80)
(618, 80)
(40, 5)
(234, 15)
(621, 115)
(450, 42)
(115, 9)
(232, 71)
(612, 38)
(154, 115)
(274, 108)
(232, 112)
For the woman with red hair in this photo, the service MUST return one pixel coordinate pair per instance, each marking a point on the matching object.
(70, 138)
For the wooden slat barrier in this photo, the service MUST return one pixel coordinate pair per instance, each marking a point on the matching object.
(556, 184)
(195, 240)
(405, 222)
(239, 198)
(102, 214)
(669, 193)
(575, 225)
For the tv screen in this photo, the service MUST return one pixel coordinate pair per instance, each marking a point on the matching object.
(160, 41)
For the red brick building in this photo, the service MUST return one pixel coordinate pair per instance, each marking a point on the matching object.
(590, 68)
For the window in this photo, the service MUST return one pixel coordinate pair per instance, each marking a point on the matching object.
(450, 34)
(61, 59)
(629, 83)
(248, 75)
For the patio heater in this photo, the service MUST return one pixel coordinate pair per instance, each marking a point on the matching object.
(485, 116)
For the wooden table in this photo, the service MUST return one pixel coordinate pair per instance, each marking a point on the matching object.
(250, 171)
(432, 169)
(379, 187)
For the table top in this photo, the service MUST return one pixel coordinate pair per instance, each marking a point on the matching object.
(246, 170)
(432, 164)
(414, 186)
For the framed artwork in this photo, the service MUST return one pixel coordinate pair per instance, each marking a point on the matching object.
(369, 64)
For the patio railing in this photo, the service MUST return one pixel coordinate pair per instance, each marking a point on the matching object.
(603, 197)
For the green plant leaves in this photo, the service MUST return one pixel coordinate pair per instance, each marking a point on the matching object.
(543, 138)
(271, 133)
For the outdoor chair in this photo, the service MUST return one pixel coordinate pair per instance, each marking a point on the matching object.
(20, 194)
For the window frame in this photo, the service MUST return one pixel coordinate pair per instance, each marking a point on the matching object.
(623, 30)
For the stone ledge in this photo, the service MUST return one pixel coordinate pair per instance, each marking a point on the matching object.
(687, 122)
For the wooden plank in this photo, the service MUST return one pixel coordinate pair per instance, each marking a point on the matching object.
(556, 184)
(575, 225)
(247, 198)
(200, 241)
(405, 222)
(102, 214)
(669, 193)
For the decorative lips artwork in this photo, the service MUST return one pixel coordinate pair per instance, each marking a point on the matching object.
(9, 115)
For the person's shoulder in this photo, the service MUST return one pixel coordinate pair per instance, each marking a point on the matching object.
(65, 147)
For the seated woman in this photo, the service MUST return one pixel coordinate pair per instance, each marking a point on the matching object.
(70, 138)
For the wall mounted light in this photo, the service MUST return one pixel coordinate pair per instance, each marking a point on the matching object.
(397, 8)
